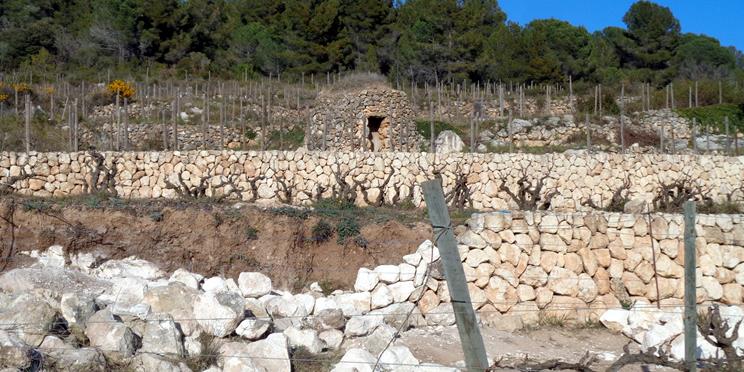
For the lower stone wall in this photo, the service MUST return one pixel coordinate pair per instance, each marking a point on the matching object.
(573, 267)
(575, 177)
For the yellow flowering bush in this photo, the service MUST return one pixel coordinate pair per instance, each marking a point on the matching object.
(122, 88)
(21, 87)
(49, 90)
(4, 97)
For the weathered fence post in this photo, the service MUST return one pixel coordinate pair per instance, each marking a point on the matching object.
(27, 101)
(444, 239)
(694, 135)
(728, 138)
(622, 117)
(588, 133)
(690, 319)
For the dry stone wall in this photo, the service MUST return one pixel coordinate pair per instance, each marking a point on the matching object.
(265, 176)
(570, 266)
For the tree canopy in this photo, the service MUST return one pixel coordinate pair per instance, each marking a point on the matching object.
(428, 40)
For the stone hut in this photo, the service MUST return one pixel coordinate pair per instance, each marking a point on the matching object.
(372, 118)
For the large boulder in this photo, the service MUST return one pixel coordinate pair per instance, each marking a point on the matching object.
(366, 280)
(254, 285)
(448, 142)
(106, 332)
(304, 338)
(55, 281)
(327, 319)
(29, 318)
(77, 308)
(353, 304)
(252, 329)
(219, 313)
(14, 353)
(398, 355)
(356, 360)
(187, 278)
(76, 360)
(162, 336)
(149, 362)
(271, 353)
(362, 325)
(286, 311)
(232, 358)
(130, 267)
(176, 299)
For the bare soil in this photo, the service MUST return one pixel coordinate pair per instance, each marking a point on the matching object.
(442, 345)
(211, 239)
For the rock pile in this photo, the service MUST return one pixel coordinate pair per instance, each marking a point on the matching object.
(131, 313)
(663, 329)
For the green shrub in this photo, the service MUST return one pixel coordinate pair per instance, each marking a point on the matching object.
(37, 206)
(251, 233)
(424, 128)
(322, 232)
(156, 216)
(361, 241)
(293, 212)
(347, 228)
(715, 116)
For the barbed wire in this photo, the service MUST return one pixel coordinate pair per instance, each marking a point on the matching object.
(639, 307)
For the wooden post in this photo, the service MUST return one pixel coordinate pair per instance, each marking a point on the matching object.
(176, 114)
(431, 128)
(694, 135)
(570, 93)
(674, 144)
(27, 102)
(126, 124)
(728, 138)
(205, 121)
(501, 100)
(444, 239)
(509, 129)
(666, 90)
(720, 92)
(690, 319)
(596, 99)
(118, 123)
(588, 133)
(653, 256)
(75, 118)
(622, 118)
(164, 129)
(689, 98)
(671, 94)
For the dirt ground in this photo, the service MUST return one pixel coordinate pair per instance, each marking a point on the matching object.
(442, 345)
(211, 239)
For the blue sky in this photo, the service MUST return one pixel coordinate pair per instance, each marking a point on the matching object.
(718, 18)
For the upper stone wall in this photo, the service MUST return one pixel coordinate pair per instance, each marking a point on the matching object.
(575, 176)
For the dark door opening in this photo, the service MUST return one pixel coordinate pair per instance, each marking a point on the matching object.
(375, 140)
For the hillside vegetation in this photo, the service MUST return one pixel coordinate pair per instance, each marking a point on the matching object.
(424, 40)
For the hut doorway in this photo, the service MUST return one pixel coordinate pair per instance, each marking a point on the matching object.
(374, 124)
